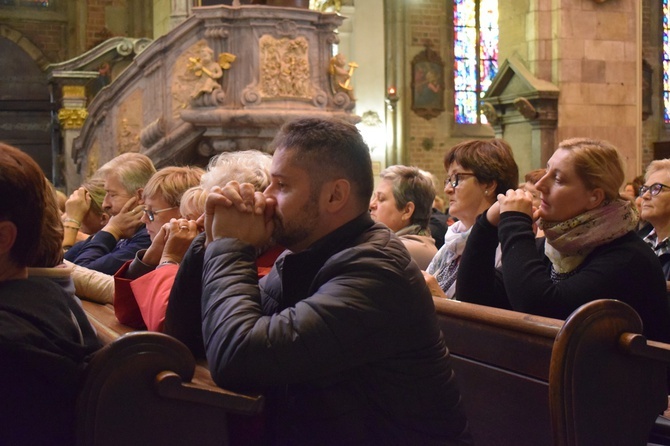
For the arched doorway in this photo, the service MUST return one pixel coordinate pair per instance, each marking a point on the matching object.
(25, 110)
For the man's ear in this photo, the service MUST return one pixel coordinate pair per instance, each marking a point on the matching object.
(104, 218)
(596, 198)
(8, 234)
(138, 193)
(336, 194)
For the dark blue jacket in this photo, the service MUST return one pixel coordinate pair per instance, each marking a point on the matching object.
(101, 252)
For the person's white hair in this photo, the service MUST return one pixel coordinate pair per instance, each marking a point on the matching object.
(246, 166)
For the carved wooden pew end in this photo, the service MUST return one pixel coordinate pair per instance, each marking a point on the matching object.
(145, 388)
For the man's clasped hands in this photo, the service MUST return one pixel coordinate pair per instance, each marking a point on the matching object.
(239, 211)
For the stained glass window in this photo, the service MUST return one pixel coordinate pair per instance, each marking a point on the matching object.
(666, 62)
(475, 56)
(38, 3)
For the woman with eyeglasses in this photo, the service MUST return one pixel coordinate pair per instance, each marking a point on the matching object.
(170, 238)
(590, 250)
(477, 171)
(655, 209)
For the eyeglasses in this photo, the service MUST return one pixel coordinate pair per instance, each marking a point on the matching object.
(455, 178)
(151, 215)
(654, 189)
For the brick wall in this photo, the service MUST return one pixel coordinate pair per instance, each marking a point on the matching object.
(97, 25)
(49, 37)
(425, 141)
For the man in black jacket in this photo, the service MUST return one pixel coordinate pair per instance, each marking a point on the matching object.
(341, 335)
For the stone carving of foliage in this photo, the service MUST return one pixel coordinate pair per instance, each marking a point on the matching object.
(284, 68)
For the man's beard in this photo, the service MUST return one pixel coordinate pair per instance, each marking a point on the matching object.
(303, 225)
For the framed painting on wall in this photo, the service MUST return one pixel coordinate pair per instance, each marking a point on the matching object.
(427, 84)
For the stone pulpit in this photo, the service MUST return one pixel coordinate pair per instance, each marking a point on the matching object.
(225, 79)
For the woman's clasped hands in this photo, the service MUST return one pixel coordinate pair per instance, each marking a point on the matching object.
(517, 200)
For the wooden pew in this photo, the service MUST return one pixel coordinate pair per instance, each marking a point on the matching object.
(525, 380)
(530, 380)
(146, 388)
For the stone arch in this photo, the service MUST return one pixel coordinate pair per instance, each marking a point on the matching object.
(25, 44)
(25, 106)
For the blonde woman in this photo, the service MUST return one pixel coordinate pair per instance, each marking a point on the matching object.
(142, 286)
(589, 252)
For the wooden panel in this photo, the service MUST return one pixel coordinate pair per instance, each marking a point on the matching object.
(503, 408)
(518, 342)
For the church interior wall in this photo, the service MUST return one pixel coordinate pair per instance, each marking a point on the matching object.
(590, 50)
(596, 57)
(654, 128)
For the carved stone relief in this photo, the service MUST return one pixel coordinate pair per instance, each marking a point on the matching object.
(524, 107)
(72, 118)
(284, 66)
(129, 123)
(197, 77)
(93, 159)
(340, 75)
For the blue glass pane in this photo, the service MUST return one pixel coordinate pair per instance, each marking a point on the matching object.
(465, 108)
(465, 40)
(465, 13)
(488, 71)
(476, 55)
(666, 62)
(465, 75)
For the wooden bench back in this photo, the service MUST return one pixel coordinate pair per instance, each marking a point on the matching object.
(501, 359)
(591, 371)
(525, 380)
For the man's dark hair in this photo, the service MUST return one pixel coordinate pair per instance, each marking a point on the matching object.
(329, 149)
(23, 191)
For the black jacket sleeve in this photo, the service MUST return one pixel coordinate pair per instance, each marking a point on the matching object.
(478, 280)
(183, 316)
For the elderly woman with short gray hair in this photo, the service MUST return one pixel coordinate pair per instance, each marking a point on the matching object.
(403, 201)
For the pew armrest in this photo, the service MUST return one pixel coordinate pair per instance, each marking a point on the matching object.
(638, 345)
(145, 388)
(170, 385)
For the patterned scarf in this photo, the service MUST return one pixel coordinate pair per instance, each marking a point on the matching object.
(445, 263)
(569, 242)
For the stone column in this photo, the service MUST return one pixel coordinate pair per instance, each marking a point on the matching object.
(71, 117)
(181, 9)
